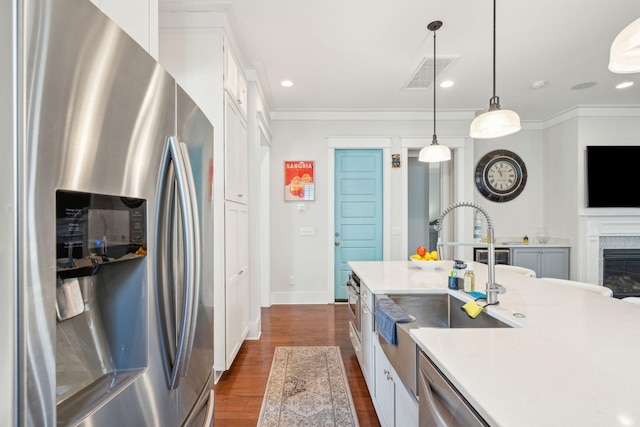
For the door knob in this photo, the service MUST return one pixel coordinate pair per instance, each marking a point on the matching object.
(337, 233)
(337, 243)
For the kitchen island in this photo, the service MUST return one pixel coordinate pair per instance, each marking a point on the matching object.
(572, 357)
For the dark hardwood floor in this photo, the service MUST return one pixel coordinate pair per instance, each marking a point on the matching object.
(238, 394)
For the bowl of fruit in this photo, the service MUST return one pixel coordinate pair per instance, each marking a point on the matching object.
(426, 260)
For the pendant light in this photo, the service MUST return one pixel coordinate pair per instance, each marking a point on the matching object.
(625, 50)
(435, 152)
(495, 122)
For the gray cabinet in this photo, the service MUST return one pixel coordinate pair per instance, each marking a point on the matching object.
(545, 261)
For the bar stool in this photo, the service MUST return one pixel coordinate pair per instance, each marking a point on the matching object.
(515, 269)
(602, 290)
(632, 300)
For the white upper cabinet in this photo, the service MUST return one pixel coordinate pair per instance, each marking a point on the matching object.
(235, 155)
(235, 82)
(138, 18)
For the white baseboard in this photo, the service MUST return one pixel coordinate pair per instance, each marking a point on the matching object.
(301, 298)
(255, 329)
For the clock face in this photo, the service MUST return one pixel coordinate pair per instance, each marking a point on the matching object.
(500, 175)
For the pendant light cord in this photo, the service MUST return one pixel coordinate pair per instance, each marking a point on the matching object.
(434, 84)
(494, 48)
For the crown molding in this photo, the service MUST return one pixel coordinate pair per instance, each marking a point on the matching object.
(592, 111)
(395, 115)
(194, 6)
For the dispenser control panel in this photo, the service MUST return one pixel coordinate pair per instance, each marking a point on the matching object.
(93, 229)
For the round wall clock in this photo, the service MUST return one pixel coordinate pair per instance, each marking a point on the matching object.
(500, 175)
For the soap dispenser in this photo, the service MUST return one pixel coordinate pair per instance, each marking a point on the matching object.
(469, 280)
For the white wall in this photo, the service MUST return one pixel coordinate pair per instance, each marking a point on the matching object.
(564, 172)
(553, 198)
(306, 257)
(523, 215)
(562, 184)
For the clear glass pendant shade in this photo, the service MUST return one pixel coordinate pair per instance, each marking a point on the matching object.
(435, 153)
(625, 50)
(494, 124)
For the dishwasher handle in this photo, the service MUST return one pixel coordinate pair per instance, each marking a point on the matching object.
(431, 402)
(441, 405)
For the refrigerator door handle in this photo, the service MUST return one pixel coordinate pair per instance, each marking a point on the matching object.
(196, 257)
(174, 173)
(208, 420)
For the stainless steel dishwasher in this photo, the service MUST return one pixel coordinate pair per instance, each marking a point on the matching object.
(441, 405)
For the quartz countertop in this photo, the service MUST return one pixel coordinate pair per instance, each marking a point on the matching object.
(573, 359)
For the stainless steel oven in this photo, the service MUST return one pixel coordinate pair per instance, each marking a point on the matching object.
(353, 289)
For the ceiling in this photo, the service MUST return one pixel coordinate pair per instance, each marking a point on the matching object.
(359, 55)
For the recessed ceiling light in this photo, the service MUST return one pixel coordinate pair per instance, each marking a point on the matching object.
(585, 85)
(286, 83)
(624, 85)
(538, 84)
(447, 83)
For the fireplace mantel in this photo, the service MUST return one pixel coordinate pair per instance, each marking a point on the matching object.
(593, 226)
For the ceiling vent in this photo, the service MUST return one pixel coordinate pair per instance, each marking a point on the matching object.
(422, 78)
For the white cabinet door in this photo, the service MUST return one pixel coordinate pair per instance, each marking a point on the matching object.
(235, 82)
(235, 155)
(366, 326)
(384, 387)
(242, 93)
(395, 404)
(243, 271)
(231, 73)
(237, 278)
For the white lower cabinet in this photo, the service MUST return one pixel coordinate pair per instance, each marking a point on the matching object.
(395, 405)
(366, 326)
(237, 278)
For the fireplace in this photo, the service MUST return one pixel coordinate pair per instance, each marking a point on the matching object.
(621, 271)
(599, 232)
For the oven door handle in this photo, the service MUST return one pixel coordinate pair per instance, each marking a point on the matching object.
(353, 291)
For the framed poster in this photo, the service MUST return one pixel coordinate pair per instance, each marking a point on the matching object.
(298, 180)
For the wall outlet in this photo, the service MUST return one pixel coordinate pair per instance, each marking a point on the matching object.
(292, 280)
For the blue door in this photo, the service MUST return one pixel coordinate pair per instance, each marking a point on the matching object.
(358, 212)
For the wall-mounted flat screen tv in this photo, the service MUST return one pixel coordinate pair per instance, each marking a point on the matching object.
(613, 176)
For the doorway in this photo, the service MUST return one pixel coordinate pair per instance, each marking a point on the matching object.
(358, 212)
(424, 206)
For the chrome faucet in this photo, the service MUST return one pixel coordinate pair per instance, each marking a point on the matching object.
(493, 289)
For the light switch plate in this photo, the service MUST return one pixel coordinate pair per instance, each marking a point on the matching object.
(307, 231)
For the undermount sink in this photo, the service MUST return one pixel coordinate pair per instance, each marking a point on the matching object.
(430, 311)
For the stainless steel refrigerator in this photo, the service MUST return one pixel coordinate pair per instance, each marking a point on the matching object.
(105, 182)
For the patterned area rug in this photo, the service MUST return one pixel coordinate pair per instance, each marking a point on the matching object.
(307, 387)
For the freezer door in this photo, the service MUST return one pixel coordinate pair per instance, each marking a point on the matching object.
(201, 413)
(195, 130)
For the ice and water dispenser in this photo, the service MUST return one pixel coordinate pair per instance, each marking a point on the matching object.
(101, 298)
